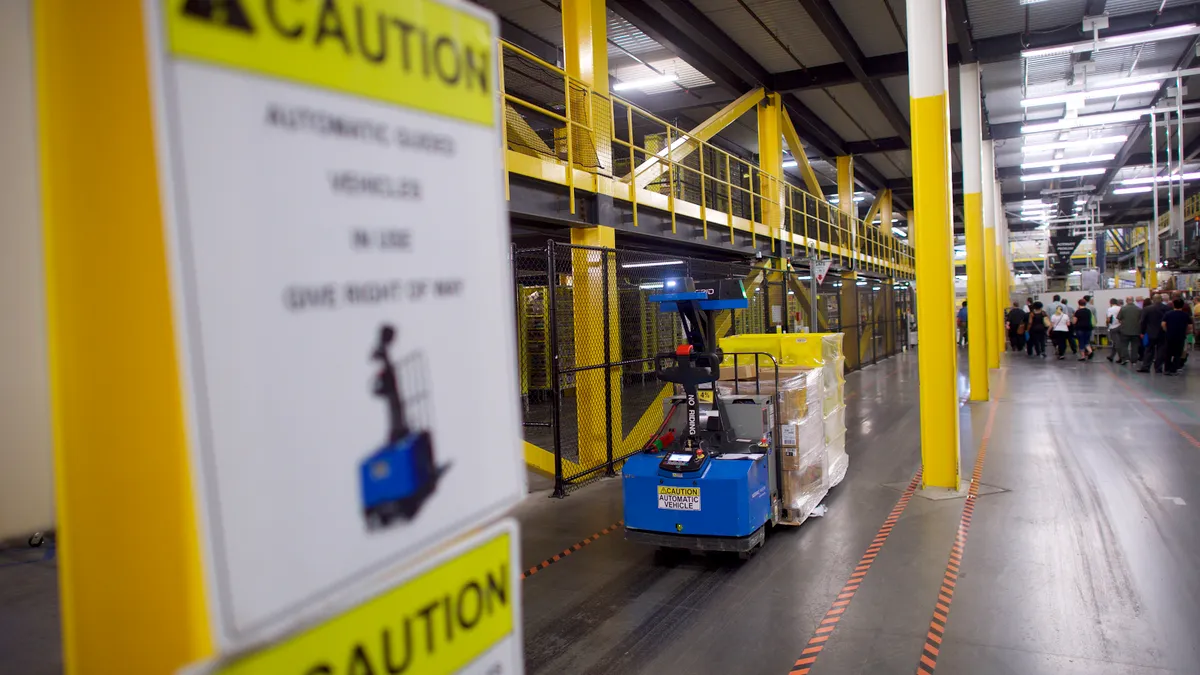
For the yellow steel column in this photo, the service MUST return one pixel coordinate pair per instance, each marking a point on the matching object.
(848, 311)
(845, 179)
(120, 436)
(589, 269)
(938, 365)
(770, 162)
(977, 304)
(585, 55)
(994, 309)
(585, 52)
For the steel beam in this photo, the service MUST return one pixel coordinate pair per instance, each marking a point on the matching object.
(798, 153)
(691, 35)
(654, 167)
(831, 26)
(1008, 47)
(960, 23)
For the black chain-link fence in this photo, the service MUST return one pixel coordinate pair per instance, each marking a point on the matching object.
(588, 336)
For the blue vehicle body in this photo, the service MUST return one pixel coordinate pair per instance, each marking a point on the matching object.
(397, 478)
(734, 497)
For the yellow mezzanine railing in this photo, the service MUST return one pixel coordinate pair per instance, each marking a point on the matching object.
(559, 130)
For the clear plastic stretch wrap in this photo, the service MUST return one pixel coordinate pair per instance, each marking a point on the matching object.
(812, 408)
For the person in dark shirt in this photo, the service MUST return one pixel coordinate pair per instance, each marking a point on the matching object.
(1037, 330)
(1016, 321)
(1153, 336)
(1082, 323)
(1176, 325)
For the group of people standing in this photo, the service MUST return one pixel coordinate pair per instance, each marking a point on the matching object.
(1152, 331)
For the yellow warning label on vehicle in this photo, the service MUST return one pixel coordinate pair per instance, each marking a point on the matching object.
(416, 53)
(678, 498)
(434, 624)
(706, 395)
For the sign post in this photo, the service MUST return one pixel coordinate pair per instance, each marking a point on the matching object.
(294, 208)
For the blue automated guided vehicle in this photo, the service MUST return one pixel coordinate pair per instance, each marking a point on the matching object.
(707, 480)
(400, 476)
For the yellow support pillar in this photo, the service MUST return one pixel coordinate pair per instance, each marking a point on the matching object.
(585, 55)
(593, 277)
(994, 307)
(120, 437)
(938, 365)
(848, 311)
(845, 179)
(770, 162)
(977, 296)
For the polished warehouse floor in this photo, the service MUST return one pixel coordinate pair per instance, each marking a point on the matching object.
(1077, 555)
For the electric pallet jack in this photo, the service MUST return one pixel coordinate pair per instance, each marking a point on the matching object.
(707, 480)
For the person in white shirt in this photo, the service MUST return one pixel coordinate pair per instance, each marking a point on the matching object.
(1114, 327)
(1060, 326)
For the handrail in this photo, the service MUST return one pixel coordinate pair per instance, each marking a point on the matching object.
(583, 137)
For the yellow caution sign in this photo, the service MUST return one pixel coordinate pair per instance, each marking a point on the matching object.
(417, 53)
(434, 624)
(706, 395)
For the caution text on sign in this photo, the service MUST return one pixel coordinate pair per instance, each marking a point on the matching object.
(678, 498)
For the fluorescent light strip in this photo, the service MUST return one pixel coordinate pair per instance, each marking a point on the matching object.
(1173, 178)
(1067, 145)
(1064, 123)
(1071, 160)
(899, 232)
(1115, 41)
(1078, 97)
(644, 83)
(657, 263)
(1133, 190)
(1074, 173)
(788, 164)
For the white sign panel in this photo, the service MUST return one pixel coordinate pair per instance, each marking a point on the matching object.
(820, 269)
(333, 193)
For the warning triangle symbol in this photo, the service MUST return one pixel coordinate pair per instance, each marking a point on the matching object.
(228, 13)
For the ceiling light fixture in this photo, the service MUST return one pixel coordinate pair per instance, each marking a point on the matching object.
(1067, 145)
(1052, 175)
(899, 232)
(657, 263)
(1078, 97)
(1064, 123)
(1115, 41)
(1132, 190)
(1072, 160)
(1173, 178)
(790, 163)
(644, 83)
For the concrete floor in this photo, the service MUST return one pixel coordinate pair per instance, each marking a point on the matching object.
(1082, 563)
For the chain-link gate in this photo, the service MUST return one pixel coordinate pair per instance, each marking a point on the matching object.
(588, 337)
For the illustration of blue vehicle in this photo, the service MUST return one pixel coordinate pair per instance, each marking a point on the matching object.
(399, 477)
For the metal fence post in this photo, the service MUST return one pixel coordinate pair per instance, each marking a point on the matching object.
(608, 412)
(555, 382)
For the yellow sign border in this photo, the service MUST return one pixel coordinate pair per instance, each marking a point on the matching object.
(432, 55)
(400, 622)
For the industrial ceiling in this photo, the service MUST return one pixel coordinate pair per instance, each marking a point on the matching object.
(842, 67)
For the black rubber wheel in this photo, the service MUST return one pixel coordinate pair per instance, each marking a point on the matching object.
(36, 540)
